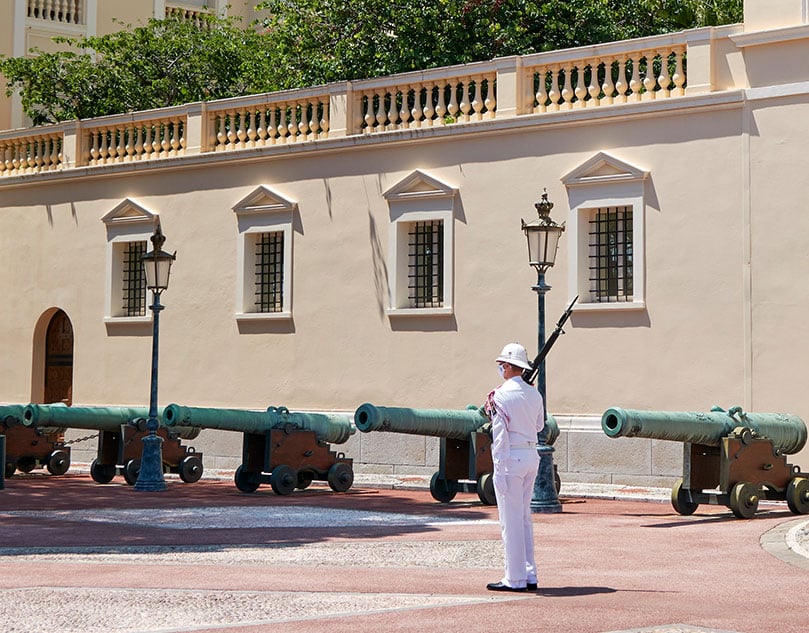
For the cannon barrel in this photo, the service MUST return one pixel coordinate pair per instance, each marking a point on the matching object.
(329, 427)
(51, 418)
(786, 432)
(11, 414)
(457, 424)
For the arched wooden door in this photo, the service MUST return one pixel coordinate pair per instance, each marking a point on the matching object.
(59, 360)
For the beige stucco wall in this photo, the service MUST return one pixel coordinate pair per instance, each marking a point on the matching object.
(724, 266)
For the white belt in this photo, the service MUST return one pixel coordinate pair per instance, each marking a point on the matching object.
(525, 445)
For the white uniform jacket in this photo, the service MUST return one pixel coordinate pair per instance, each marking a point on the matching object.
(518, 415)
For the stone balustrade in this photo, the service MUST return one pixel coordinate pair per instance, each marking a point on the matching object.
(605, 77)
(268, 119)
(141, 136)
(616, 74)
(34, 152)
(61, 11)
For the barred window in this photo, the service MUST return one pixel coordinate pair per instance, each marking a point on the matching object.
(134, 279)
(270, 272)
(426, 264)
(611, 255)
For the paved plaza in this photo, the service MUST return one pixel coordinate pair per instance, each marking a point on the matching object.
(80, 557)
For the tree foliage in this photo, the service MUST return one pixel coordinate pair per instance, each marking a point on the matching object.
(163, 63)
(309, 42)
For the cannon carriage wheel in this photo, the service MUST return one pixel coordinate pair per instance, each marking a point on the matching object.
(26, 464)
(102, 473)
(131, 470)
(681, 499)
(797, 495)
(744, 500)
(11, 468)
(305, 478)
(340, 477)
(443, 490)
(283, 479)
(247, 480)
(58, 462)
(190, 469)
(486, 489)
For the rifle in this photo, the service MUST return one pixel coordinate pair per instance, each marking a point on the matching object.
(530, 375)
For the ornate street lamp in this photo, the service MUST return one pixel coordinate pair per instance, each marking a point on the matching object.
(157, 266)
(543, 241)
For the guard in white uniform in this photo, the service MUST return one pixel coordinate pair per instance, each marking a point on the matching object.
(517, 415)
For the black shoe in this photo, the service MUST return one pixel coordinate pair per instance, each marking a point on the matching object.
(499, 586)
(531, 586)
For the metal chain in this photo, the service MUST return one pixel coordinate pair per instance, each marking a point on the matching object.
(82, 439)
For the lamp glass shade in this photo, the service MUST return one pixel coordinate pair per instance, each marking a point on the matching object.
(157, 266)
(543, 242)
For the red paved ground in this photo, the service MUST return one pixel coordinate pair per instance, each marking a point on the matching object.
(605, 565)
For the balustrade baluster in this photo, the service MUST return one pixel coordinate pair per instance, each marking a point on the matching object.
(580, 91)
(241, 129)
(175, 136)
(452, 106)
(679, 75)
(608, 87)
(283, 129)
(554, 93)
(232, 137)
(541, 95)
(324, 121)
(148, 141)
(404, 108)
(251, 128)
(314, 121)
(567, 90)
(261, 129)
(418, 109)
(393, 110)
(663, 80)
(650, 81)
(272, 127)
(594, 89)
(634, 82)
(620, 83)
(47, 10)
(293, 122)
(491, 98)
(303, 126)
(465, 104)
(429, 103)
(477, 99)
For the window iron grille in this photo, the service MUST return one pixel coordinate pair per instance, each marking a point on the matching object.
(134, 279)
(611, 255)
(270, 272)
(426, 264)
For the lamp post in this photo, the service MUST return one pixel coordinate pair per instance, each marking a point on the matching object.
(157, 266)
(543, 241)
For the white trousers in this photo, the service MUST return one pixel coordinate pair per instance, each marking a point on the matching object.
(514, 486)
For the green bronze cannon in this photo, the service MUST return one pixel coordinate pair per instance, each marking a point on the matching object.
(120, 433)
(286, 449)
(465, 460)
(26, 448)
(730, 457)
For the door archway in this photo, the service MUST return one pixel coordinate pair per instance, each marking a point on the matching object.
(59, 359)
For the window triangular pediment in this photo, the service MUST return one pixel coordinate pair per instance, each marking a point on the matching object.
(264, 200)
(419, 185)
(129, 212)
(603, 168)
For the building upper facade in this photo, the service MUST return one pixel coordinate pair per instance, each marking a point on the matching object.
(32, 24)
(360, 240)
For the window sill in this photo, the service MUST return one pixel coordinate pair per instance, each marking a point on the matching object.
(263, 316)
(609, 307)
(419, 312)
(128, 320)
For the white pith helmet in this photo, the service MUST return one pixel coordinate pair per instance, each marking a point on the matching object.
(514, 354)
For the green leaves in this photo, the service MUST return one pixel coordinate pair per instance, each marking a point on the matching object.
(310, 42)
